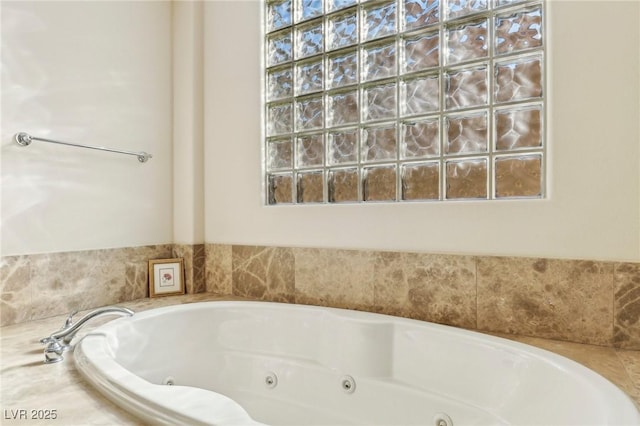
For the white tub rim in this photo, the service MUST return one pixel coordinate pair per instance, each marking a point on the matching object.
(132, 392)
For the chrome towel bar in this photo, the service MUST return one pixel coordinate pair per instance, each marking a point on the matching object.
(25, 139)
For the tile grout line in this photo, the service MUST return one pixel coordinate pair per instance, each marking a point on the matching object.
(475, 263)
(635, 384)
(613, 308)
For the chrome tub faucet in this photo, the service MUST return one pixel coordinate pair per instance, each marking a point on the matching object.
(60, 341)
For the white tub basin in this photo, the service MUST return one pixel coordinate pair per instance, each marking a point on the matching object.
(232, 363)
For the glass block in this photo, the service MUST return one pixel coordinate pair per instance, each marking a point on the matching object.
(379, 102)
(343, 146)
(420, 139)
(278, 14)
(518, 31)
(343, 185)
(518, 128)
(308, 9)
(279, 84)
(421, 181)
(419, 13)
(342, 30)
(379, 61)
(466, 87)
(279, 154)
(309, 40)
(466, 179)
(279, 119)
(281, 188)
(468, 42)
(309, 113)
(420, 95)
(343, 127)
(310, 150)
(339, 4)
(518, 80)
(379, 143)
(342, 108)
(279, 48)
(342, 69)
(379, 183)
(309, 77)
(310, 187)
(503, 2)
(466, 133)
(379, 20)
(456, 8)
(421, 52)
(519, 176)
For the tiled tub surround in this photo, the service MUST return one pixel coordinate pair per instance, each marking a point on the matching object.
(42, 285)
(27, 383)
(571, 300)
(194, 261)
(580, 301)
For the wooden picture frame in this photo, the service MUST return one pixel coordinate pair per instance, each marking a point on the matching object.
(166, 277)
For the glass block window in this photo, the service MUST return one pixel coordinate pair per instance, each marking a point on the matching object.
(404, 100)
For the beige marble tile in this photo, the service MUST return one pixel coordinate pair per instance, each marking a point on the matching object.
(63, 282)
(436, 288)
(265, 273)
(626, 322)
(558, 299)
(194, 265)
(561, 299)
(136, 281)
(199, 269)
(219, 268)
(338, 278)
(605, 361)
(28, 383)
(631, 361)
(15, 290)
(136, 261)
(185, 252)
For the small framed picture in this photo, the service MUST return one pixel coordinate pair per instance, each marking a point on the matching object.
(166, 277)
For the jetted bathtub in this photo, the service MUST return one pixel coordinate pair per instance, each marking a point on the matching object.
(248, 363)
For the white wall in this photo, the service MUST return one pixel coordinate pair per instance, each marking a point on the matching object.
(96, 73)
(593, 208)
(188, 126)
(101, 73)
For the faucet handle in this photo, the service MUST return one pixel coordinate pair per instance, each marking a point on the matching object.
(69, 321)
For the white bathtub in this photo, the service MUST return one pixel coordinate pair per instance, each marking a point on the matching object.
(247, 363)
